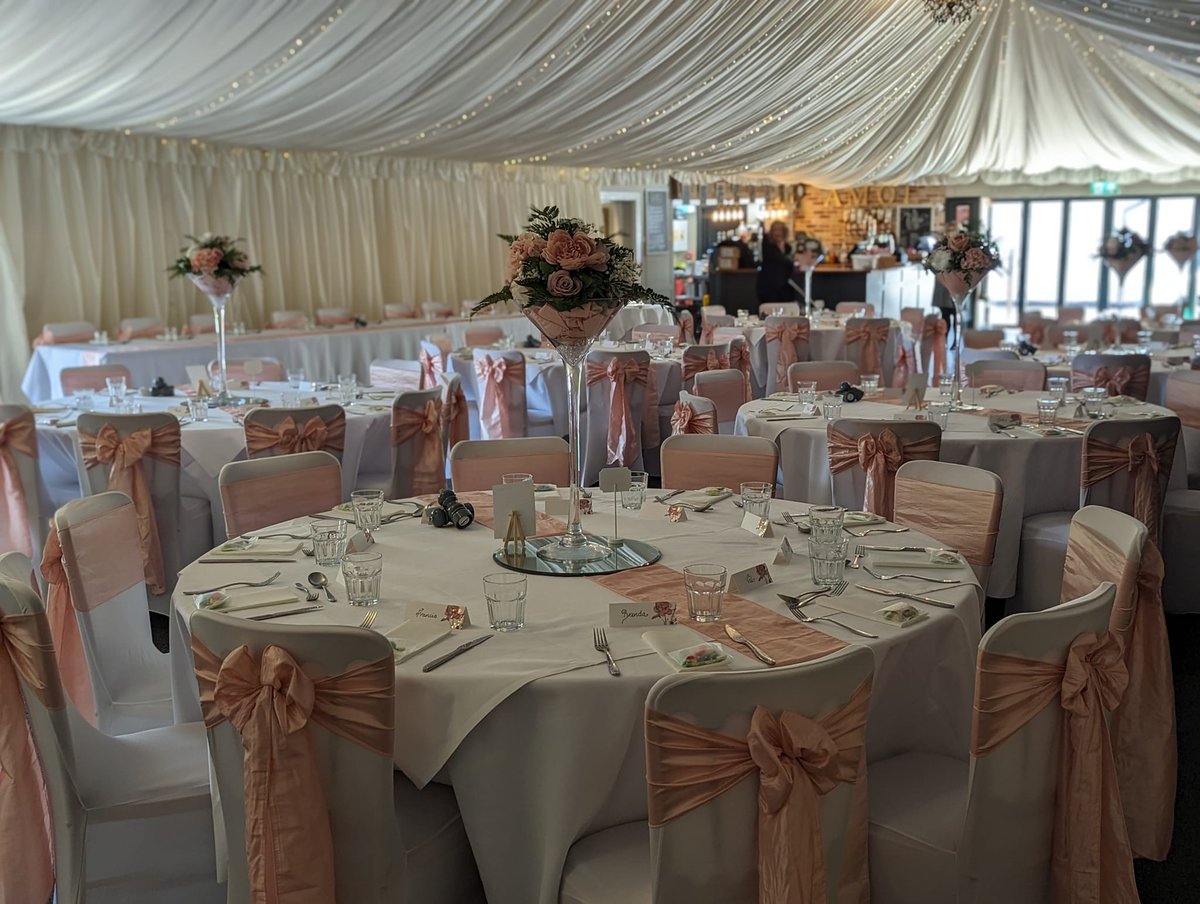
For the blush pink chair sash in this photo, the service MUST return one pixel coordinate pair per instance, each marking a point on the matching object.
(281, 320)
(873, 336)
(880, 456)
(1091, 859)
(687, 419)
(64, 630)
(129, 477)
(25, 831)
(706, 332)
(624, 436)
(1142, 727)
(1183, 397)
(492, 374)
(16, 435)
(1147, 462)
(1036, 328)
(694, 364)
(423, 427)
(398, 312)
(72, 332)
(270, 701)
(315, 436)
(432, 367)
(964, 518)
(687, 327)
(905, 361)
(454, 416)
(787, 334)
(696, 470)
(739, 358)
(797, 760)
(933, 338)
(1123, 381)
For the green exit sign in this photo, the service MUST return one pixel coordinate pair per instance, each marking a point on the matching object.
(1105, 188)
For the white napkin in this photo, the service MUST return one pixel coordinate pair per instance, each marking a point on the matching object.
(248, 598)
(411, 637)
(672, 640)
(918, 560)
(700, 497)
(259, 549)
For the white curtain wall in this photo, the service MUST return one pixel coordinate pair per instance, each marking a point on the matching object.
(89, 222)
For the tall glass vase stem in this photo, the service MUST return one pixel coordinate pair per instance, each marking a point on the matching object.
(219, 303)
(574, 534)
(960, 370)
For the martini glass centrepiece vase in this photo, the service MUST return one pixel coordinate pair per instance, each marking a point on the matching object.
(219, 290)
(960, 285)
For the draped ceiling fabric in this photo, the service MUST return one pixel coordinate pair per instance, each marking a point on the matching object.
(368, 150)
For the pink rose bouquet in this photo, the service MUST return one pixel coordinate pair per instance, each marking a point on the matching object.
(965, 252)
(213, 262)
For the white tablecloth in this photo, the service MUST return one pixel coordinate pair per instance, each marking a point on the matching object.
(826, 342)
(1039, 474)
(1058, 366)
(322, 352)
(541, 744)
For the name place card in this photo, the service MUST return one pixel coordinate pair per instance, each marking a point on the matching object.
(783, 555)
(456, 616)
(760, 527)
(750, 578)
(644, 615)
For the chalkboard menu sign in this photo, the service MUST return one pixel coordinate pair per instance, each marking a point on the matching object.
(658, 223)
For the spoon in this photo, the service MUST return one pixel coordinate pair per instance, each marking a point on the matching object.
(311, 595)
(318, 579)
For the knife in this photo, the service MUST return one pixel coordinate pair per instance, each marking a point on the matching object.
(241, 561)
(457, 651)
(906, 596)
(667, 496)
(282, 614)
(906, 549)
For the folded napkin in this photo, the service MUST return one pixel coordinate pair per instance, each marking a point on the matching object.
(237, 551)
(903, 614)
(700, 497)
(411, 637)
(938, 558)
(248, 598)
(675, 643)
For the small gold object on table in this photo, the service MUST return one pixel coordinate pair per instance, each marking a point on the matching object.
(514, 535)
(203, 391)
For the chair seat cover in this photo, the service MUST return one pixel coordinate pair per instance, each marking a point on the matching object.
(146, 771)
(609, 867)
(1043, 552)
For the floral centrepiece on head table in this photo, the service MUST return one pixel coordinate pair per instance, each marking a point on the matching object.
(570, 280)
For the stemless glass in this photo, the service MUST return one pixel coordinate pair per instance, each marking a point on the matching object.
(806, 390)
(939, 413)
(83, 400)
(1047, 412)
(945, 385)
(1093, 400)
(368, 509)
(705, 586)
(1058, 387)
(347, 388)
(828, 561)
(296, 378)
(826, 522)
(505, 593)
(116, 390)
(756, 498)
(329, 542)
(831, 408)
(1144, 338)
(362, 572)
(516, 478)
(870, 384)
(1070, 337)
(198, 409)
(635, 496)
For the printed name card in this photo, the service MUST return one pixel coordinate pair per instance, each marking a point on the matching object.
(751, 578)
(645, 615)
(783, 556)
(426, 613)
(760, 527)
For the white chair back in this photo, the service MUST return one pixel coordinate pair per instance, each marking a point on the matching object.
(479, 464)
(502, 405)
(855, 308)
(93, 377)
(699, 358)
(1183, 397)
(1118, 490)
(199, 324)
(418, 455)
(18, 444)
(779, 309)
(695, 461)
(1007, 372)
(869, 354)
(434, 310)
(16, 566)
(69, 331)
(433, 359)
(263, 491)
(396, 374)
(287, 320)
(602, 434)
(334, 316)
(694, 414)
(778, 328)
(917, 439)
(482, 335)
(398, 312)
(710, 310)
(727, 390)
(140, 328)
(826, 374)
(251, 370)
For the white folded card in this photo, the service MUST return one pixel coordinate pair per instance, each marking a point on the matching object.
(513, 497)
(434, 613)
(783, 555)
(749, 578)
(411, 637)
(646, 615)
(760, 527)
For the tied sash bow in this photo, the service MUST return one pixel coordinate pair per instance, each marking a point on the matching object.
(128, 475)
(904, 360)
(64, 630)
(624, 444)
(687, 419)
(873, 336)
(454, 415)
(686, 329)
(1123, 381)
(797, 760)
(270, 702)
(424, 426)
(1146, 461)
(787, 335)
(432, 367)
(287, 437)
(933, 336)
(1114, 383)
(712, 360)
(739, 359)
(16, 435)
(493, 373)
(880, 456)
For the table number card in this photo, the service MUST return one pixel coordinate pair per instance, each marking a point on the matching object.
(615, 480)
(513, 497)
(783, 556)
(645, 615)
(760, 527)
(745, 581)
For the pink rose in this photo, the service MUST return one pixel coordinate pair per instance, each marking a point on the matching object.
(563, 284)
(977, 259)
(527, 244)
(206, 260)
(569, 251)
(598, 259)
(959, 241)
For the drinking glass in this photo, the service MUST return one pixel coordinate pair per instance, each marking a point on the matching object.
(329, 542)
(826, 522)
(828, 561)
(517, 478)
(1058, 387)
(705, 586)
(296, 378)
(1093, 400)
(831, 408)
(756, 498)
(362, 572)
(939, 413)
(635, 496)
(807, 392)
(1070, 337)
(1047, 412)
(291, 399)
(368, 509)
(505, 594)
(1144, 338)
(945, 385)
(870, 383)
(1196, 344)
(198, 409)
(116, 390)
(347, 388)
(83, 399)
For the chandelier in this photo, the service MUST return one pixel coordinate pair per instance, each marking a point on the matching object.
(943, 11)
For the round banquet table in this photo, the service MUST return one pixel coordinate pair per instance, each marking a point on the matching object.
(540, 743)
(1039, 473)
(1057, 365)
(826, 342)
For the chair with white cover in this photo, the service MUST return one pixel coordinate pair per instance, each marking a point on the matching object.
(693, 414)
(435, 310)
(71, 331)
(1111, 332)
(265, 491)
(248, 371)
(714, 836)
(779, 309)
(915, 317)
(871, 345)
(433, 358)
(334, 316)
(1034, 325)
(957, 505)
(1125, 465)
(478, 336)
(982, 338)
(199, 324)
(139, 328)
(712, 309)
(455, 413)
(1002, 826)
(130, 678)
(787, 341)
(337, 821)
(699, 358)
(287, 320)
(1070, 315)
(396, 374)
(21, 526)
(827, 375)
(1183, 398)
(478, 464)
(696, 461)
(418, 450)
(1118, 374)
(286, 431)
(711, 322)
(856, 308)
(94, 377)
(655, 332)
(864, 456)
(16, 566)
(398, 312)
(130, 816)
(500, 389)
(687, 328)
(1181, 509)
(972, 355)
(1022, 374)
(727, 391)
(140, 455)
(740, 358)
(622, 412)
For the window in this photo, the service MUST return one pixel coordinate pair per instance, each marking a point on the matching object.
(1007, 228)
(1044, 262)
(1084, 235)
(1170, 284)
(1126, 295)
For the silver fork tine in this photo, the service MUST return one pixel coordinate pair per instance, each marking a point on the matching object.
(262, 583)
(368, 620)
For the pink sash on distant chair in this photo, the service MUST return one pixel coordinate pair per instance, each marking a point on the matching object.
(706, 332)
(880, 457)
(16, 435)
(788, 334)
(693, 364)
(1124, 381)
(1144, 460)
(124, 334)
(294, 321)
(904, 360)
(624, 442)
(454, 416)
(334, 317)
(25, 833)
(493, 403)
(739, 359)
(129, 477)
(315, 436)
(933, 337)
(1091, 858)
(432, 367)
(874, 337)
(687, 419)
(797, 760)
(270, 701)
(423, 426)
(687, 327)
(64, 630)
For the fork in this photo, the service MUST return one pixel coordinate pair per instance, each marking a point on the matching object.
(803, 616)
(859, 552)
(264, 583)
(876, 530)
(901, 574)
(368, 619)
(600, 641)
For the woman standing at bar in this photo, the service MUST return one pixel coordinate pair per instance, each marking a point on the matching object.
(776, 267)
